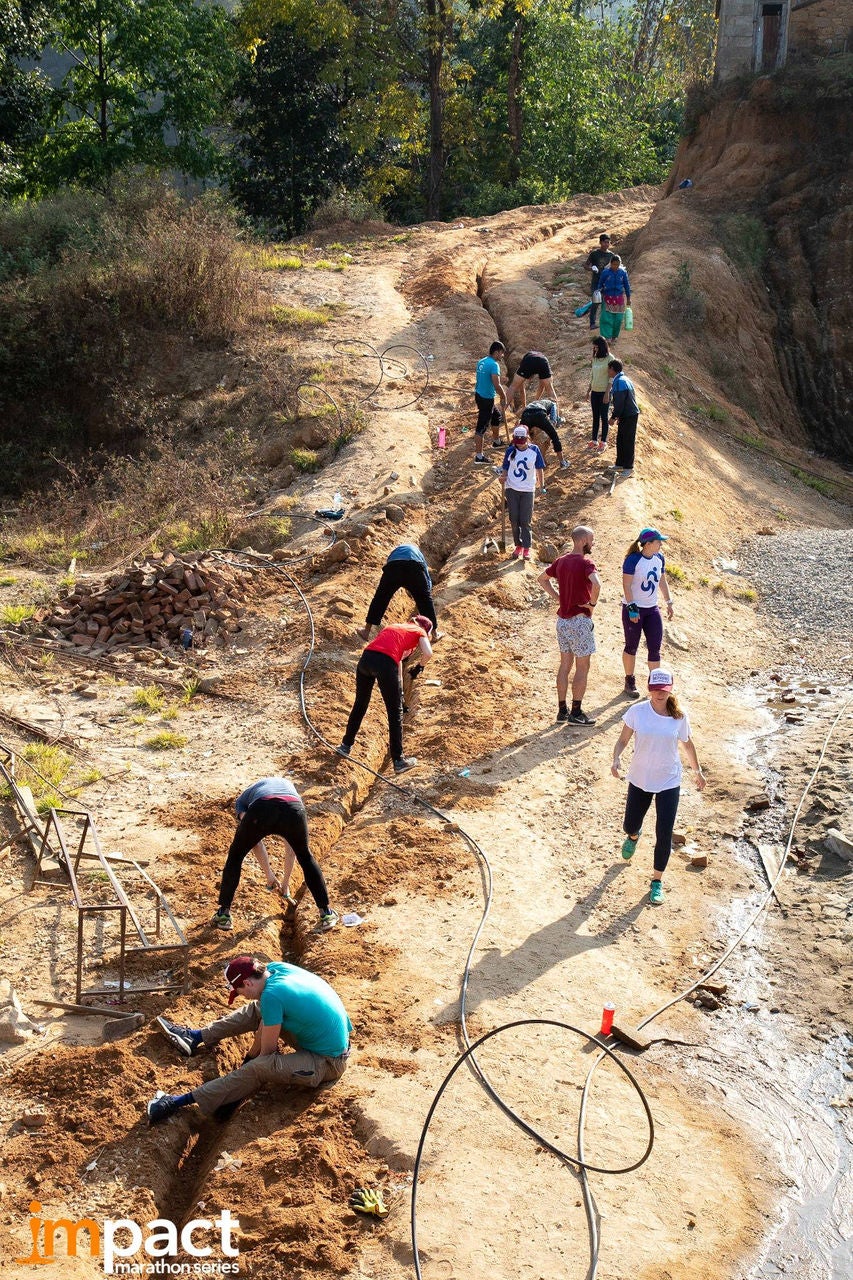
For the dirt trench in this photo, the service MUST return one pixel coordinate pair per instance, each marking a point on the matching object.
(569, 926)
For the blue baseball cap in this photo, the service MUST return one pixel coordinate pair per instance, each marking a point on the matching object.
(651, 535)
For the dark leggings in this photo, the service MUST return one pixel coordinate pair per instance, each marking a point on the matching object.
(374, 667)
(650, 625)
(405, 575)
(626, 438)
(666, 807)
(545, 424)
(599, 414)
(487, 414)
(271, 817)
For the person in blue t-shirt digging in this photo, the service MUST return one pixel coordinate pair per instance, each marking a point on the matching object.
(284, 1002)
(487, 388)
(405, 570)
(272, 807)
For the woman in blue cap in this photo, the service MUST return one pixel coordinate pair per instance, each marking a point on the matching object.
(643, 581)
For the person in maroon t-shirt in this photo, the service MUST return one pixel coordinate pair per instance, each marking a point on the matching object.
(382, 663)
(579, 588)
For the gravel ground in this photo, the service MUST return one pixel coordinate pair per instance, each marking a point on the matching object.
(805, 580)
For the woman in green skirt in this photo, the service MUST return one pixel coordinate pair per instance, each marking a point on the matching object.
(615, 296)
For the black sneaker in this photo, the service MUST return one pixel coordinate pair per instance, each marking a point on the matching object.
(497, 444)
(343, 749)
(631, 691)
(579, 717)
(161, 1107)
(479, 458)
(185, 1039)
(562, 715)
(404, 763)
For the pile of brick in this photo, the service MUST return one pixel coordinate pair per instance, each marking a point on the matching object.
(153, 604)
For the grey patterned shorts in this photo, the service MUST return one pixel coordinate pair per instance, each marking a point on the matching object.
(576, 635)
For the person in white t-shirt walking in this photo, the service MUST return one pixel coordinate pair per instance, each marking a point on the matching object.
(655, 770)
(522, 461)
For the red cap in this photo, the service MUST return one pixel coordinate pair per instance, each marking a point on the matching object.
(423, 622)
(236, 973)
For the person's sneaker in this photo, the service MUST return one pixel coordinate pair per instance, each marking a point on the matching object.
(479, 457)
(579, 717)
(221, 919)
(525, 555)
(626, 472)
(161, 1107)
(656, 894)
(328, 920)
(602, 445)
(562, 715)
(497, 444)
(564, 464)
(592, 444)
(516, 553)
(629, 846)
(343, 749)
(363, 633)
(185, 1039)
(404, 764)
(631, 690)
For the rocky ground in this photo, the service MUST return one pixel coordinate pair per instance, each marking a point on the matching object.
(750, 1172)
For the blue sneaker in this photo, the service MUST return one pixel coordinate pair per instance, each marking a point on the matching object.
(160, 1108)
(629, 846)
(185, 1039)
(656, 894)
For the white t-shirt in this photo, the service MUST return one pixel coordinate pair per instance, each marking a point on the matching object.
(646, 572)
(655, 765)
(521, 466)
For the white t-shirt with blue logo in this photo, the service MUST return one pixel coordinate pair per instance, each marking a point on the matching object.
(646, 573)
(521, 466)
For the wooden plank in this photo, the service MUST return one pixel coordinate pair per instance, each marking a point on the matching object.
(49, 862)
(83, 1008)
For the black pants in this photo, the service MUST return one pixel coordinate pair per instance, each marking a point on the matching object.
(544, 423)
(406, 575)
(487, 414)
(599, 414)
(666, 807)
(272, 817)
(593, 311)
(626, 439)
(376, 667)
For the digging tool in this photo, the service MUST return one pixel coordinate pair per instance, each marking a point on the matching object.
(613, 483)
(502, 543)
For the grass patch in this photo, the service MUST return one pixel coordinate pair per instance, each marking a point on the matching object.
(8, 582)
(717, 413)
(753, 442)
(719, 588)
(677, 515)
(89, 776)
(150, 697)
(675, 572)
(305, 460)
(686, 303)
(326, 264)
(170, 712)
(668, 372)
(272, 258)
(748, 595)
(298, 317)
(704, 580)
(745, 240)
(813, 482)
(191, 687)
(46, 771)
(12, 615)
(166, 740)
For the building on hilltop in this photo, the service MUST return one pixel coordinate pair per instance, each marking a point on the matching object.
(757, 36)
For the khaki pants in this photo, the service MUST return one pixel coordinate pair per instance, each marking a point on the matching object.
(303, 1068)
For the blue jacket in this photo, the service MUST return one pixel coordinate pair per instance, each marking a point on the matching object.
(623, 397)
(613, 282)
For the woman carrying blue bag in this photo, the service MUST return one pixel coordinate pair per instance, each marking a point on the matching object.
(615, 297)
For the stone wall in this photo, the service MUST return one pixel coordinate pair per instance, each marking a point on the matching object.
(735, 39)
(820, 26)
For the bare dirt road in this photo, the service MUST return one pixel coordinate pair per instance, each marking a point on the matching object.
(750, 1171)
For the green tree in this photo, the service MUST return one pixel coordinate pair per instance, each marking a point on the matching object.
(145, 84)
(290, 150)
(24, 92)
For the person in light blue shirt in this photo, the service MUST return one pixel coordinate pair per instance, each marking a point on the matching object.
(405, 569)
(487, 387)
(283, 1002)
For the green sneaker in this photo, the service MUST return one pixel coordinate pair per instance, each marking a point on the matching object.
(656, 894)
(629, 846)
(328, 920)
(221, 919)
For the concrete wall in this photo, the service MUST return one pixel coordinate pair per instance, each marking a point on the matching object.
(735, 38)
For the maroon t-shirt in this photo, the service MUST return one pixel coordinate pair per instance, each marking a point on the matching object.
(573, 573)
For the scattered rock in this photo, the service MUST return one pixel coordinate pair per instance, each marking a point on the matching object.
(756, 803)
(15, 1026)
(840, 844)
(699, 860)
(548, 552)
(395, 514)
(34, 1119)
(679, 839)
(716, 988)
(707, 1000)
(86, 691)
(677, 638)
(336, 554)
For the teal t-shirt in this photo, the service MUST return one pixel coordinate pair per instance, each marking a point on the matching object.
(307, 1008)
(485, 368)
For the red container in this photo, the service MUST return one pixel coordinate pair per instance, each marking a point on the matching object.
(607, 1019)
(442, 437)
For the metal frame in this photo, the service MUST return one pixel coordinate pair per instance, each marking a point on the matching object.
(58, 851)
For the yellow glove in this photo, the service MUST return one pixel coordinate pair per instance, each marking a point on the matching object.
(366, 1200)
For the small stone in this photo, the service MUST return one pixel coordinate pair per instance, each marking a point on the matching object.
(395, 514)
(86, 691)
(839, 844)
(755, 803)
(679, 839)
(395, 475)
(677, 638)
(34, 1119)
(699, 860)
(708, 1001)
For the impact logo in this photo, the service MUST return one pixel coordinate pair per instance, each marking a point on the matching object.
(122, 1238)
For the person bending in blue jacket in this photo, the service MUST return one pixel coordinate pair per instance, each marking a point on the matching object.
(404, 570)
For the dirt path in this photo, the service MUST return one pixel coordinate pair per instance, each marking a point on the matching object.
(570, 926)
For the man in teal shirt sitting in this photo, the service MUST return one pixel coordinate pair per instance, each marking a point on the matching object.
(284, 1002)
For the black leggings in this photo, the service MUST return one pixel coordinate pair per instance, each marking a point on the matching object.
(599, 414)
(374, 667)
(666, 807)
(544, 424)
(271, 817)
(406, 575)
(487, 414)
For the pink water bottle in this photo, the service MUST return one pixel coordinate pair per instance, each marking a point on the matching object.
(607, 1019)
(442, 437)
